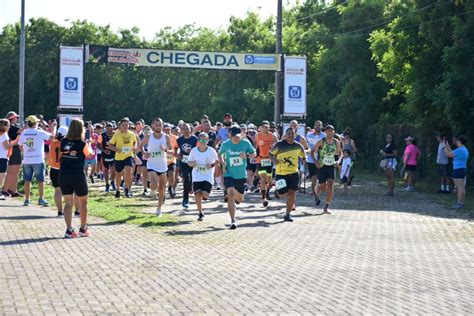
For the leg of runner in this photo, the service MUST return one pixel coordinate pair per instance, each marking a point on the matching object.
(153, 178)
(144, 173)
(128, 180)
(186, 173)
(171, 179)
(161, 192)
(106, 177)
(231, 199)
(329, 195)
(58, 200)
(118, 180)
(83, 230)
(69, 203)
(263, 186)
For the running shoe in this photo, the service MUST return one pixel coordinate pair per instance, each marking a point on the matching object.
(287, 217)
(233, 225)
(107, 188)
(15, 194)
(113, 186)
(43, 202)
(27, 203)
(317, 201)
(60, 214)
(77, 213)
(84, 232)
(158, 212)
(127, 193)
(5, 194)
(246, 187)
(458, 206)
(185, 204)
(70, 233)
(201, 217)
(144, 193)
(265, 203)
(117, 194)
(2, 197)
(218, 188)
(91, 177)
(326, 210)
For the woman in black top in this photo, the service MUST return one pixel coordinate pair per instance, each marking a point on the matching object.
(72, 179)
(14, 163)
(389, 163)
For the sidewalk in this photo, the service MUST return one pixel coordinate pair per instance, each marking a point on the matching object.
(386, 256)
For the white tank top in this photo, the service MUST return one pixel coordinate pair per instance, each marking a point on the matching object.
(157, 161)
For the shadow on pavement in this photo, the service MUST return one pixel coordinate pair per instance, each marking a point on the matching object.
(28, 241)
(194, 232)
(27, 217)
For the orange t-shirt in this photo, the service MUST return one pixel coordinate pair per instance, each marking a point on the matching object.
(174, 144)
(264, 143)
(55, 154)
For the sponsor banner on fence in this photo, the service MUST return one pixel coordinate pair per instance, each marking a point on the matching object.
(65, 119)
(186, 59)
(294, 100)
(71, 66)
(301, 128)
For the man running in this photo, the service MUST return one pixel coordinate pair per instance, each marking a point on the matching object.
(202, 159)
(157, 144)
(327, 148)
(286, 154)
(171, 160)
(265, 141)
(185, 143)
(108, 156)
(313, 137)
(233, 157)
(124, 144)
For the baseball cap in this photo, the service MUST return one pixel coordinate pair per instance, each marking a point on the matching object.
(329, 126)
(251, 126)
(167, 125)
(265, 123)
(409, 138)
(109, 124)
(227, 115)
(32, 119)
(62, 131)
(11, 115)
(272, 124)
(125, 119)
(243, 126)
(235, 131)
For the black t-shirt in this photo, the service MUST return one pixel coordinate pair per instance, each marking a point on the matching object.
(389, 149)
(105, 142)
(13, 132)
(72, 156)
(186, 144)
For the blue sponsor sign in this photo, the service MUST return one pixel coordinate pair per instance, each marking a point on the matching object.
(265, 60)
(71, 83)
(294, 92)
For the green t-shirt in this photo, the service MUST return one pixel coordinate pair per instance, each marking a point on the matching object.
(236, 166)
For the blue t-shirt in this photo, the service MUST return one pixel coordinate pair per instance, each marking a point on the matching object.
(236, 166)
(461, 154)
(312, 139)
(223, 134)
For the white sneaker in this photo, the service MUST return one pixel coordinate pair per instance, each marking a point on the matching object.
(158, 212)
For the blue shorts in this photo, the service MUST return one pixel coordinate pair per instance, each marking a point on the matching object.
(90, 162)
(37, 169)
(459, 173)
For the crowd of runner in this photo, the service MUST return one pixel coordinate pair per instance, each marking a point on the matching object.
(228, 157)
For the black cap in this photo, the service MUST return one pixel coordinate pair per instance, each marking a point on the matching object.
(272, 124)
(227, 115)
(235, 130)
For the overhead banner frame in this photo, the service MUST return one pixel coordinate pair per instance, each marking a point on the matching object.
(294, 87)
(71, 78)
(182, 59)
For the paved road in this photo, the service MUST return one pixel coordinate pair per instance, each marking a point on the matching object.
(372, 256)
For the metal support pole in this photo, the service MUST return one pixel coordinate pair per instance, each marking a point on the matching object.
(21, 92)
(278, 74)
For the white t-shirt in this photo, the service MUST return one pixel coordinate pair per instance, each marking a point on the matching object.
(346, 167)
(32, 141)
(200, 172)
(3, 151)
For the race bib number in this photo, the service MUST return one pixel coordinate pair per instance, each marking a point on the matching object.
(169, 157)
(156, 154)
(329, 161)
(280, 184)
(185, 158)
(266, 162)
(253, 160)
(201, 169)
(236, 162)
(126, 150)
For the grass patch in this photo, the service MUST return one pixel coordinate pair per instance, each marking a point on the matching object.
(115, 211)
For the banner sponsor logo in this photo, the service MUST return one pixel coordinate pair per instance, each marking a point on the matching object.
(71, 77)
(295, 86)
(191, 59)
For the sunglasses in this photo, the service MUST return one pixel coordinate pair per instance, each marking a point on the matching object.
(203, 140)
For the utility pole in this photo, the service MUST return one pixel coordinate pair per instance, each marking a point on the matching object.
(278, 74)
(21, 92)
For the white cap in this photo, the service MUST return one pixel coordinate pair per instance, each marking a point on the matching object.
(62, 130)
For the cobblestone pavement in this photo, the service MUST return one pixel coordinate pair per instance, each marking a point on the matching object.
(372, 256)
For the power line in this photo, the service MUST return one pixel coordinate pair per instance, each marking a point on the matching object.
(320, 12)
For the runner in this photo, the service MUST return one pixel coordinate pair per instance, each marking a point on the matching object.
(185, 143)
(10, 188)
(124, 144)
(157, 144)
(92, 139)
(171, 160)
(313, 137)
(389, 163)
(223, 133)
(286, 154)
(32, 142)
(5, 152)
(143, 169)
(108, 157)
(327, 149)
(54, 164)
(265, 141)
(233, 158)
(72, 179)
(98, 129)
(460, 157)
(202, 160)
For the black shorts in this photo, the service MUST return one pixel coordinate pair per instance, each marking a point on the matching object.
(238, 184)
(443, 170)
(459, 173)
(54, 176)
(121, 164)
(291, 182)
(158, 173)
(325, 173)
(312, 169)
(15, 158)
(73, 183)
(108, 162)
(410, 168)
(46, 148)
(3, 165)
(267, 169)
(203, 186)
(99, 158)
(172, 167)
(252, 167)
(144, 162)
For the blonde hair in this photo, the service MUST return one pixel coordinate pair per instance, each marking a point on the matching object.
(4, 123)
(76, 130)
